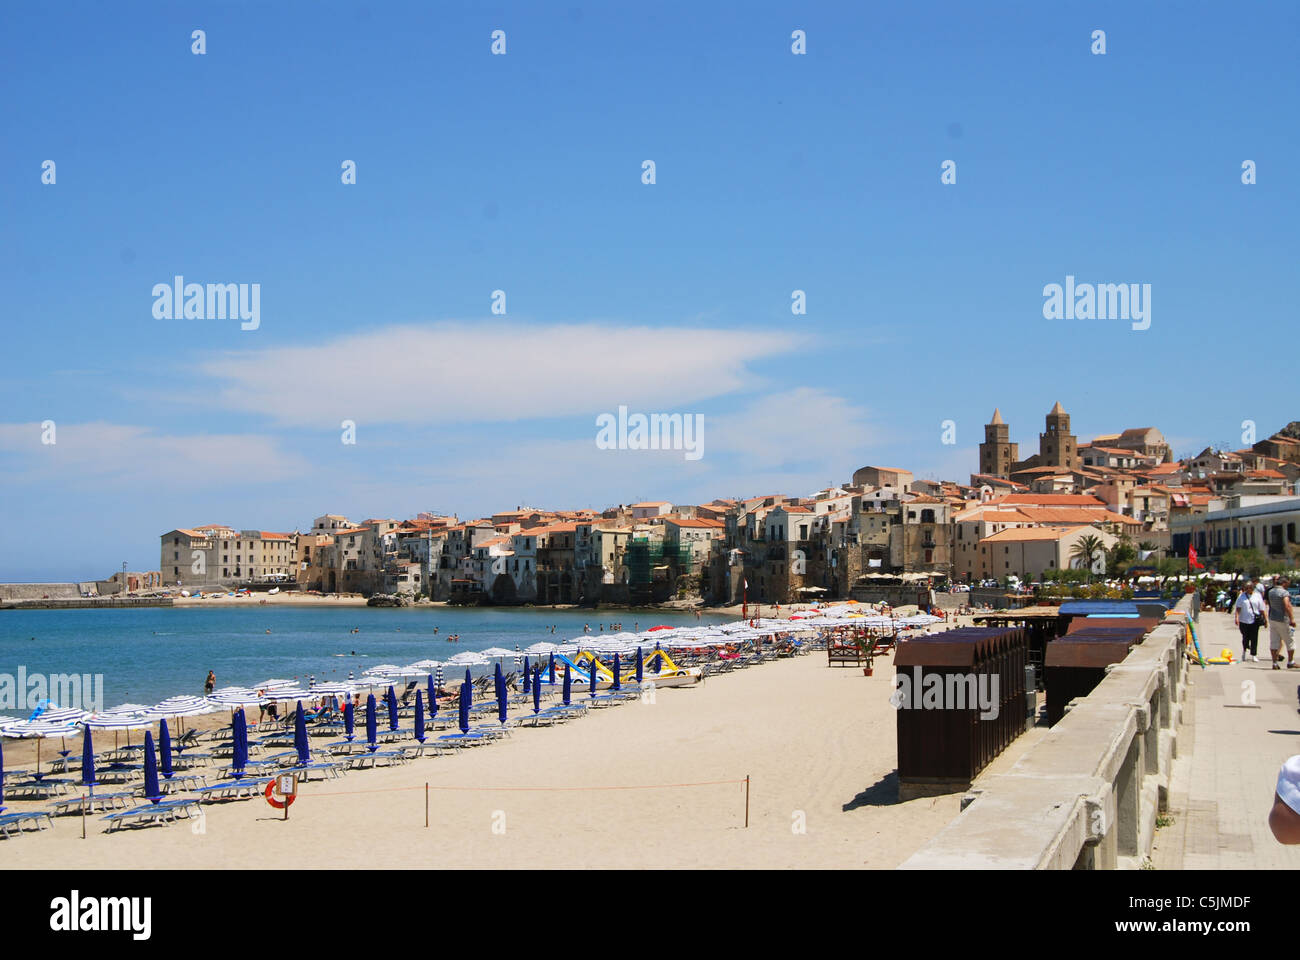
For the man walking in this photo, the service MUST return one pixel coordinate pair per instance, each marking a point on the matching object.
(1247, 621)
(1281, 620)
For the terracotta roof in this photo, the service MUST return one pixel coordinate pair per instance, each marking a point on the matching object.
(683, 522)
(1020, 534)
(1051, 499)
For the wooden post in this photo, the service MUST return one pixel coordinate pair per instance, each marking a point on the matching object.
(746, 801)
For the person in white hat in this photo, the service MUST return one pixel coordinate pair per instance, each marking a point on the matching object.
(1284, 818)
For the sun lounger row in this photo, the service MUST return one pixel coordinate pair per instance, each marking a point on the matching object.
(166, 811)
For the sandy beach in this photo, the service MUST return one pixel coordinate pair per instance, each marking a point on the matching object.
(818, 743)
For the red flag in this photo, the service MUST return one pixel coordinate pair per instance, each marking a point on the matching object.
(1191, 558)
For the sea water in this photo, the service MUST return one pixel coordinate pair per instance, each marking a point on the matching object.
(150, 653)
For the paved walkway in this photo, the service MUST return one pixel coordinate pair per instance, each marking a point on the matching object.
(1229, 753)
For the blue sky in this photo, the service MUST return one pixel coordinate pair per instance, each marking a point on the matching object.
(522, 172)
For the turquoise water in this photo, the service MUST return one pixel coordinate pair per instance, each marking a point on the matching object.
(148, 654)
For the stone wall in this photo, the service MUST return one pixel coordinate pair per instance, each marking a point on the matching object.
(1088, 794)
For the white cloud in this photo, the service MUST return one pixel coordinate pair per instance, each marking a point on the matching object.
(463, 372)
(805, 425)
(100, 452)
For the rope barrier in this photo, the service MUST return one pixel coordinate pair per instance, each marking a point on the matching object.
(647, 786)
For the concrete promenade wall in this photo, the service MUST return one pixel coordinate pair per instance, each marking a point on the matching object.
(37, 591)
(1086, 796)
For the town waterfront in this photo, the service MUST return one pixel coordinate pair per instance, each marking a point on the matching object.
(146, 655)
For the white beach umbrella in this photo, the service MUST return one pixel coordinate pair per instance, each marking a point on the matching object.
(62, 715)
(425, 665)
(182, 706)
(38, 730)
(333, 689)
(495, 652)
(281, 694)
(230, 701)
(538, 649)
(269, 685)
(468, 658)
(383, 668)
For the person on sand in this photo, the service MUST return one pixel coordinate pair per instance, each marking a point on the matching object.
(209, 684)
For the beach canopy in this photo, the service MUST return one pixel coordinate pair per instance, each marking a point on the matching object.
(500, 683)
(239, 744)
(468, 659)
(119, 721)
(334, 688)
(238, 698)
(391, 699)
(300, 735)
(540, 648)
(496, 652)
(87, 760)
(164, 750)
(281, 694)
(182, 707)
(152, 793)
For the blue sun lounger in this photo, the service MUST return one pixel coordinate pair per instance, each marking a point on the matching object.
(233, 789)
(99, 802)
(13, 823)
(165, 812)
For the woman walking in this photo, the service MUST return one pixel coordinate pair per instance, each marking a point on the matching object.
(1246, 615)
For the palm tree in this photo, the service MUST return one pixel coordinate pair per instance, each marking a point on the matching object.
(1085, 551)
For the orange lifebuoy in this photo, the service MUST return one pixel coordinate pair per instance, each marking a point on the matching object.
(270, 796)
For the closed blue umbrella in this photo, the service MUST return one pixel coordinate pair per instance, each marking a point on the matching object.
(655, 662)
(638, 665)
(551, 670)
(349, 720)
(501, 694)
(239, 744)
(568, 685)
(164, 749)
(419, 716)
(2, 777)
(300, 735)
(537, 689)
(591, 692)
(466, 693)
(87, 762)
(618, 670)
(433, 698)
(151, 791)
(372, 726)
(391, 696)
(528, 678)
